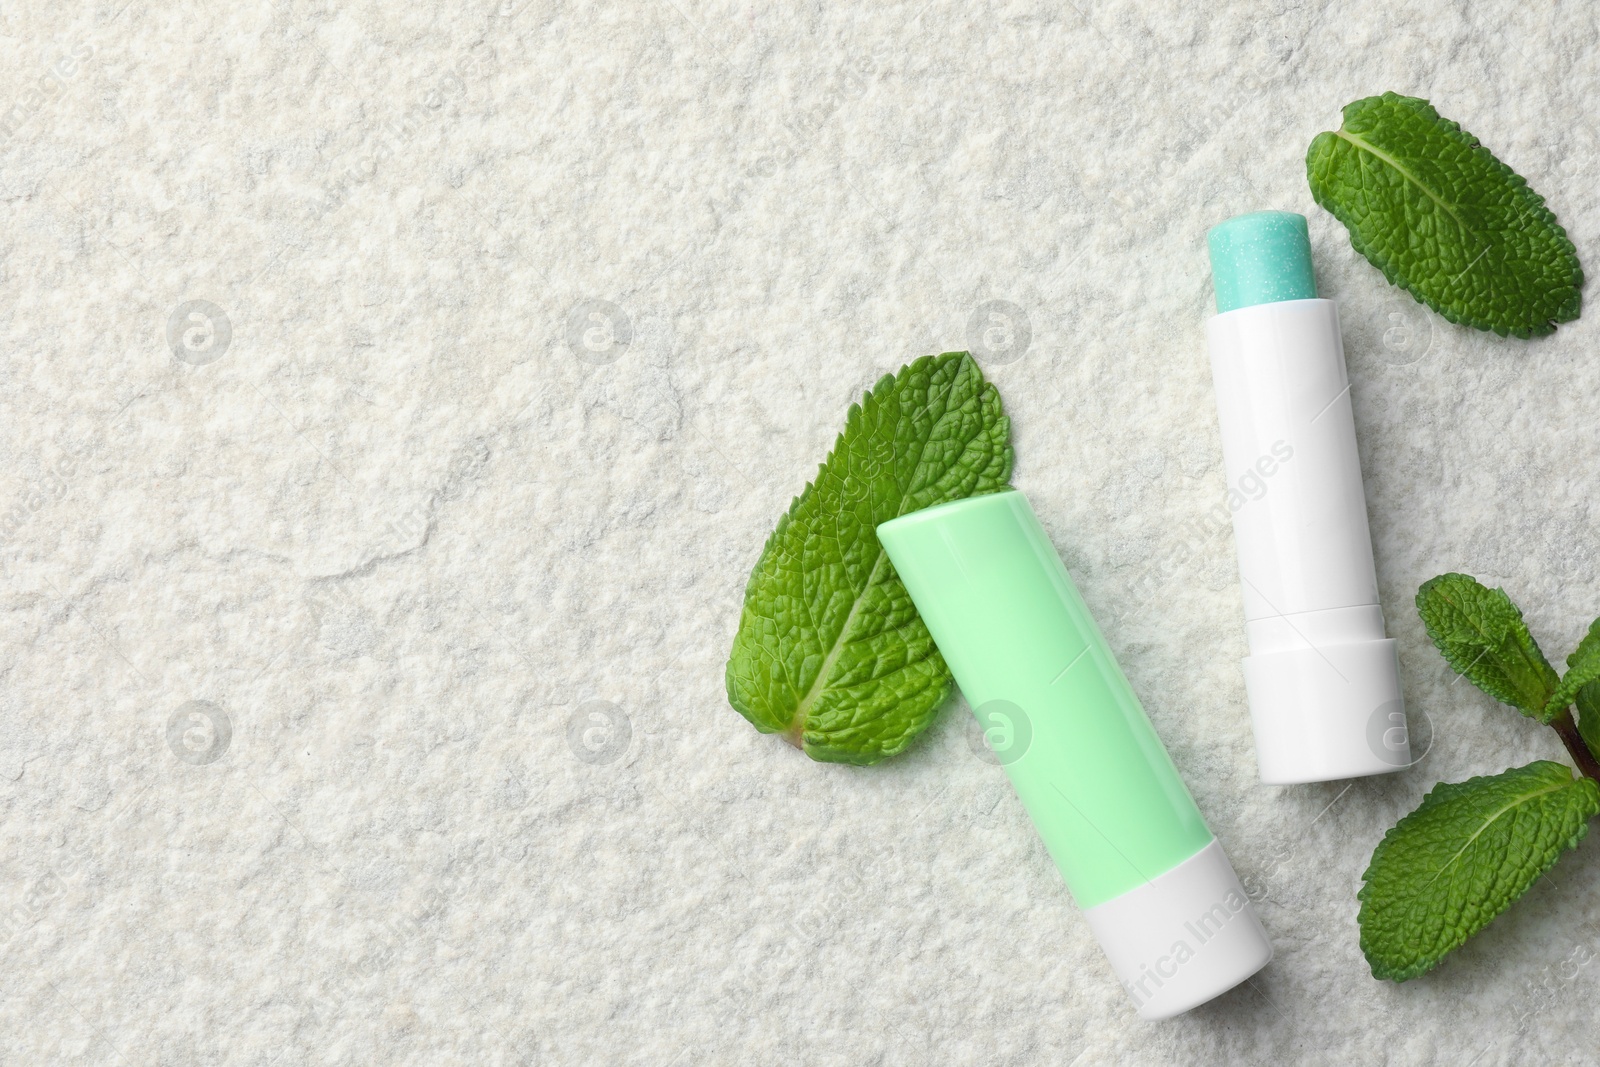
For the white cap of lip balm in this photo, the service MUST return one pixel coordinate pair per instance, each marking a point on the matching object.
(1183, 937)
(1322, 676)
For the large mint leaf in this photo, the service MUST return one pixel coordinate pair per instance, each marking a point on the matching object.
(1583, 667)
(1443, 218)
(1463, 857)
(1482, 635)
(830, 651)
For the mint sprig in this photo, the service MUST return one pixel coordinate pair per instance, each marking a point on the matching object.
(1442, 218)
(830, 651)
(1472, 848)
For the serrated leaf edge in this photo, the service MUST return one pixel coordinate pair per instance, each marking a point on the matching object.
(1575, 678)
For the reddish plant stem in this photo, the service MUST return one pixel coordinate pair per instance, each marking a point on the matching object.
(1576, 748)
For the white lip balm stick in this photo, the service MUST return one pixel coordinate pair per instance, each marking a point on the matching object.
(1322, 676)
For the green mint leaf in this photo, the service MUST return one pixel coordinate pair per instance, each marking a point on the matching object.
(1588, 699)
(830, 650)
(1583, 667)
(1440, 216)
(1482, 635)
(1465, 855)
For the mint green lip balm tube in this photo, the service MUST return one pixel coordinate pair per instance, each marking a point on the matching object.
(1160, 895)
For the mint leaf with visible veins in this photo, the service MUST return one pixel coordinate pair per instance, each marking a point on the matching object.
(1482, 635)
(1583, 667)
(830, 651)
(1464, 856)
(1441, 217)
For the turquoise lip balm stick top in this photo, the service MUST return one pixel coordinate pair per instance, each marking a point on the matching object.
(1262, 258)
(1322, 676)
(1155, 886)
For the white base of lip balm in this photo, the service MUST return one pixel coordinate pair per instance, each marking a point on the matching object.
(1322, 675)
(1327, 712)
(1172, 954)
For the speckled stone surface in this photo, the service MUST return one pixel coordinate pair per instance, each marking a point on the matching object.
(396, 397)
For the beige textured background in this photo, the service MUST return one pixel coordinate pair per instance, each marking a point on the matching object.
(458, 564)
